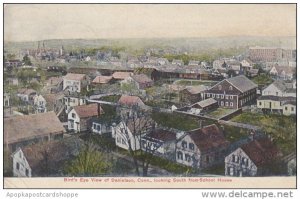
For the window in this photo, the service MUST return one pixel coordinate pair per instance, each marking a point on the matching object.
(94, 126)
(123, 141)
(276, 93)
(27, 172)
(73, 115)
(226, 103)
(222, 103)
(213, 95)
(231, 104)
(231, 171)
(286, 108)
(245, 161)
(207, 159)
(220, 87)
(98, 127)
(222, 96)
(187, 157)
(18, 166)
(179, 155)
(259, 103)
(218, 96)
(292, 108)
(231, 96)
(184, 144)
(118, 140)
(226, 96)
(230, 88)
(233, 158)
(20, 154)
(191, 146)
(208, 95)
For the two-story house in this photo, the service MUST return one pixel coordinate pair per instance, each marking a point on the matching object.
(75, 82)
(39, 104)
(26, 95)
(202, 148)
(79, 116)
(234, 92)
(252, 159)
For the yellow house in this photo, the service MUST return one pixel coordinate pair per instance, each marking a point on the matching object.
(289, 108)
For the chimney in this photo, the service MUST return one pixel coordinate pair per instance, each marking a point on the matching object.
(99, 109)
(252, 135)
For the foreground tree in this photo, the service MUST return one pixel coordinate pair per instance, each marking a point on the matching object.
(89, 162)
(139, 149)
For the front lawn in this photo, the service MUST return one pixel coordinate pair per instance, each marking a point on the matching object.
(220, 112)
(282, 128)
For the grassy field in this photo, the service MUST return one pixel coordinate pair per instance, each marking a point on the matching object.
(220, 112)
(111, 98)
(282, 128)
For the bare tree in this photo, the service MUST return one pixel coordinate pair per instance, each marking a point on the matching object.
(141, 124)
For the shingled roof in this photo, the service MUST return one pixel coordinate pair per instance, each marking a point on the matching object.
(206, 102)
(121, 75)
(56, 152)
(208, 138)
(25, 127)
(74, 76)
(102, 79)
(161, 135)
(261, 151)
(242, 83)
(142, 79)
(130, 100)
(89, 110)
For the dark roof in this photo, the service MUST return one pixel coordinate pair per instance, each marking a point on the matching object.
(90, 110)
(284, 86)
(57, 151)
(261, 151)
(209, 137)
(242, 83)
(290, 102)
(161, 135)
(20, 128)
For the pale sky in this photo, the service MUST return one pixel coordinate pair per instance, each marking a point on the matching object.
(39, 22)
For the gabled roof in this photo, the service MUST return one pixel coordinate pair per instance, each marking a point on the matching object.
(54, 80)
(130, 100)
(102, 79)
(121, 75)
(25, 91)
(52, 153)
(242, 83)
(209, 137)
(161, 135)
(20, 128)
(283, 86)
(74, 76)
(196, 89)
(261, 151)
(206, 102)
(89, 110)
(141, 78)
(286, 69)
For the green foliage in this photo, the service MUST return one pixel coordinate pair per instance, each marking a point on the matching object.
(26, 60)
(25, 75)
(111, 98)
(89, 162)
(262, 79)
(282, 128)
(176, 121)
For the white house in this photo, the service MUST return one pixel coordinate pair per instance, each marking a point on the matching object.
(281, 89)
(289, 108)
(45, 159)
(21, 167)
(282, 72)
(252, 159)
(128, 134)
(202, 148)
(75, 82)
(79, 115)
(160, 142)
(39, 104)
(73, 100)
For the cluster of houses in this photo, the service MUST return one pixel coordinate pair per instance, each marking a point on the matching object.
(45, 138)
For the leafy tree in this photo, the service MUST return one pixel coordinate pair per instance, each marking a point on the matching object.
(26, 60)
(89, 162)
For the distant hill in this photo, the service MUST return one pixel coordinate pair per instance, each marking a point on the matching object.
(188, 44)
